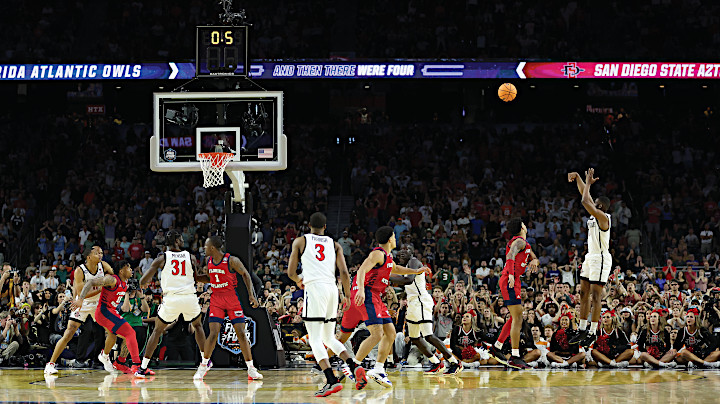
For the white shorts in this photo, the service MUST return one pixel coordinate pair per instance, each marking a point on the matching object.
(321, 302)
(419, 317)
(173, 306)
(596, 268)
(87, 309)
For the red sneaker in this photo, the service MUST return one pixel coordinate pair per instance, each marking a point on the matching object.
(121, 367)
(360, 378)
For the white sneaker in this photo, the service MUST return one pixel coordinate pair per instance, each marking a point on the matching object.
(622, 364)
(107, 364)
(649, 366)
(672, 365)
(691, 365)
(50, 368)
(533, 364)
(380, 377)
(253, 374)
(202, 371)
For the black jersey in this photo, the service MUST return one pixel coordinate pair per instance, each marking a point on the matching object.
(656, 344)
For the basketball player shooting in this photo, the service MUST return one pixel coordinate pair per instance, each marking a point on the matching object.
(319, 255)
(224, 302)
(598, 262)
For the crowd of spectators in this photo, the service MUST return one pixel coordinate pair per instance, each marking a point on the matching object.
(448, 194)
(144, 30)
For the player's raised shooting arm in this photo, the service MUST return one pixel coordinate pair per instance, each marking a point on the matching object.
(589, 204)
(297, 246)
(238, 267)
(154, 267)
(107, 280)
(342, 268)
(573, 176)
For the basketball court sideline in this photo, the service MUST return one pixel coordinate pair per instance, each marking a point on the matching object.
(293, 385)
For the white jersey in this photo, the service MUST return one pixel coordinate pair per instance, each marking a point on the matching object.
(177, 274)
(100, 272)
(598, 240)
(318, 259)
(418, 288)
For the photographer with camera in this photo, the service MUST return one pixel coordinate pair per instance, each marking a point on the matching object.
(10, 337)
(711, 312)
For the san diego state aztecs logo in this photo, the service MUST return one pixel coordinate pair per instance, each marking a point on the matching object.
(228, 339)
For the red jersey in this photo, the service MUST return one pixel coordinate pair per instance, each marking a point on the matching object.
(111, 297)
(378, 278)
(521, 258)
(222, 279)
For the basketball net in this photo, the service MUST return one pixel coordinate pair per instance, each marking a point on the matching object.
(213, 166)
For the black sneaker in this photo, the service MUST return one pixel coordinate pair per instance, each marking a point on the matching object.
(328, 389)
(454, 369)
(579, 337)
(589, 340)
(517, 363)
(499, 356)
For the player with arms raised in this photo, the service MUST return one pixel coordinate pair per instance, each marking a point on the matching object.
(224, 301)
(177, 280)
(93, 268)
(319, 255)
(113, 288)
(517, 253)
(598, 262)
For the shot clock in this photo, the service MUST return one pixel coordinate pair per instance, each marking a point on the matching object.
(221, 51)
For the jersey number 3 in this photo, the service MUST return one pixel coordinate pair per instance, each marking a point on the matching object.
(320, 252)
(176, 267)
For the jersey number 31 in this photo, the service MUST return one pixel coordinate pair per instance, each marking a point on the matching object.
(176, 267)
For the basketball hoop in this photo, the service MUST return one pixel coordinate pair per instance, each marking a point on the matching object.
(213, 166)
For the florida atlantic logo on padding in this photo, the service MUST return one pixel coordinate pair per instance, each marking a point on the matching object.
(228, 340)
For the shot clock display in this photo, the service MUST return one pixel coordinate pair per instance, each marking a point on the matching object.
(221, 51)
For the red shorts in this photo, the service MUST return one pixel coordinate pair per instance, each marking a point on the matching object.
(511, 296)
(225, 304)
(109, 318)
(373, 311)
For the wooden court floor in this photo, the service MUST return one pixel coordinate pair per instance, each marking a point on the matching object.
(410, 386)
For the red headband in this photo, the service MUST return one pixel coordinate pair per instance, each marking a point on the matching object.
(471, 312)
(568, 315)
(694, 311)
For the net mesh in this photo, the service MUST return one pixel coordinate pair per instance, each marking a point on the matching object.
(213, 166)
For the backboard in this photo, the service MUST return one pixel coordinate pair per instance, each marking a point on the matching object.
(248, 124)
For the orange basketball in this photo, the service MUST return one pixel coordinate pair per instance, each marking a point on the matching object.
(507, 92)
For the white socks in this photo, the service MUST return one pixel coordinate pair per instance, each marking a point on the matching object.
(145, 363)
(453, 359)
(379, 366)
(205, 360)
(583, 324)
(593, 328)
(250, 364)
(498, 344)
(434, 360)
(516, 353)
